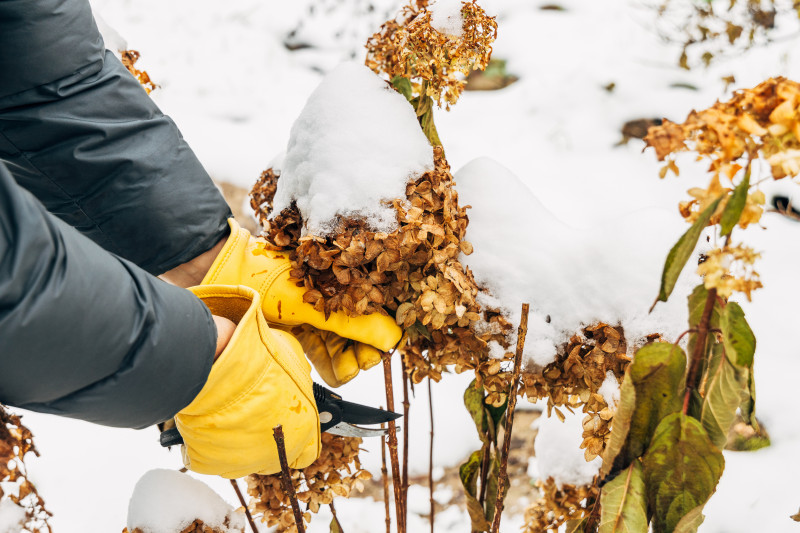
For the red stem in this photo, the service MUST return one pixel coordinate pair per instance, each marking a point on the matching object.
(692, 377)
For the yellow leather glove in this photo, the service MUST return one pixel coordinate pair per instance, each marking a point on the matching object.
(337, 360)
(244, 260)
(260, 380)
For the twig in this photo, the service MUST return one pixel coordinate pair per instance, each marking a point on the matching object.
(512, 403)
(699, 349)
(682, 335)
(286, 479)
(336, 518)
(396, 480)
(244, 504)
(385, 476)
(486, 454)
(430, 456)
(406, 408)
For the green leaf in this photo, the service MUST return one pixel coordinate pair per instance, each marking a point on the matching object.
(577, 525)
(623, 508)
(473, 400)
(748, 406)
(681, 470)
(735, 206)
(469, 473)
(621, 427)
(657, 376)
(725, 388)
(418, 329)
(496, 413)
(403, 86)
(740, 343)
(690, 521)
(335, 526)
(682, 251)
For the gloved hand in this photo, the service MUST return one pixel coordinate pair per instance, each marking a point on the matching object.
(336, 359)
(335, 346)
(260, 380)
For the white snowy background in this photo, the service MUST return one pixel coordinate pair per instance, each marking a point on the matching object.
(583, 213)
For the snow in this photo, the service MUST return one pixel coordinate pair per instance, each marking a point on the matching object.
(446, 17)
(234, 90)
(355, 145)
(558, 454)
(609, 390)
(608, 272)
(12, 517)
(165, 501)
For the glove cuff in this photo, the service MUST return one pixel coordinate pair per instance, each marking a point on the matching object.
(260, 380)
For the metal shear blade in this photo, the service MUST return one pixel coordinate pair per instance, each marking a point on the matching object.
(349, 430)
(338, 416)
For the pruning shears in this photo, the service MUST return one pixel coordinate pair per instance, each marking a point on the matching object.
(336, 416)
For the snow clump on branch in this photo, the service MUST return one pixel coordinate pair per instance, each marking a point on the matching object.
(166, 501)
(354, 147)
(446, 17)
(572, 277)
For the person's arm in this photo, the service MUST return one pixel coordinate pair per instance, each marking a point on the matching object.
(88, 335)
(79, 132)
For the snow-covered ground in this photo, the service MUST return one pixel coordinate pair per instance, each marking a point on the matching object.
(234, 90)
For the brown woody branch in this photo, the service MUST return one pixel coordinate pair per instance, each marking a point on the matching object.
(286, 479)
(430, 456)
(396, 479)
(512, 403)
(385, 476)
(244, 504)
(406, 409)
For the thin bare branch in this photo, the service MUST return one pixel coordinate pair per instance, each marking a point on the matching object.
(406, 409)
(385, 476)
(502, 480)
(430, 455)
(336, 518)
(286, 478)
(396, 479)
(244, 504)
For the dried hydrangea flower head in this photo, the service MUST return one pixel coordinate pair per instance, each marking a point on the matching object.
(764, 120)
(758, 123)
(16, 441)
(435, 60)
(337, 472)
(730, 269)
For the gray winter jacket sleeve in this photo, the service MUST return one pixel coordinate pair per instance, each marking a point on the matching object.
(78, 131)
(86, 334)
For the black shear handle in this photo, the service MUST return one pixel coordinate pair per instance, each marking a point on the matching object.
(329, 406)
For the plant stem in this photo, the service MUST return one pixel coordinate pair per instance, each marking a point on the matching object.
(396, 480)
(486, 454)
(682, 335)
(692, 377)
(385, 477)
(336, 518)
(512, 403)
(430, 456)
(406, 409)
(244, 504)
(286, 478)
